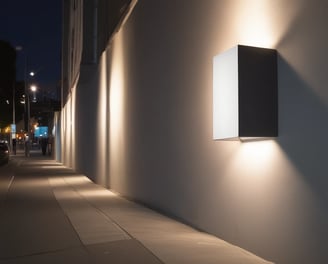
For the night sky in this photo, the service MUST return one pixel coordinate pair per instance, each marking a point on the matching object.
(34, 25)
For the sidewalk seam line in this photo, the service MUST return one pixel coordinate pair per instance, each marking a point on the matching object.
(111, 219)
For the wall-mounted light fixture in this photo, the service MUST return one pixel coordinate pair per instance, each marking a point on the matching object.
(245, 93)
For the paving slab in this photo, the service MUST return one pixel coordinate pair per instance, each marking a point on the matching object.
(91, 224)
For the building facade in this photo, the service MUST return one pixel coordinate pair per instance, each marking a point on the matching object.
(137, 117)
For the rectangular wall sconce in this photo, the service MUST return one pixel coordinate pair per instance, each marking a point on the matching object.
(245, 93)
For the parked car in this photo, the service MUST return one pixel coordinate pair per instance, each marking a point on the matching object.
(4, 153)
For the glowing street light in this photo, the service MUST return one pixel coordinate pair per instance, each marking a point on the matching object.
(33, 88)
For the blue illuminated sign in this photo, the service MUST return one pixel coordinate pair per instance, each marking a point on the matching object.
(41, 131)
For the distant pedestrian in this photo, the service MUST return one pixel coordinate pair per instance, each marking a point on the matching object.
(27, 146)
(50, 140)
(44, 144)
(14, 146)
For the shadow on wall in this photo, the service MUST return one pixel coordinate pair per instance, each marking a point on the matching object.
(303, 97)
(85, 134)
(303, 131)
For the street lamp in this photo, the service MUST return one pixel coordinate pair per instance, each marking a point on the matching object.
(33, 88)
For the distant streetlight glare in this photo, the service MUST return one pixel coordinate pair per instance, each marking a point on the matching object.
(33, 88)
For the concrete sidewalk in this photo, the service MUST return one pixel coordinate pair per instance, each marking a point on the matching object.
(50, 214)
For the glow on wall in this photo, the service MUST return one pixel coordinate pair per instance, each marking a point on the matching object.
(102, 124)
(68, 130)
(117, 86)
